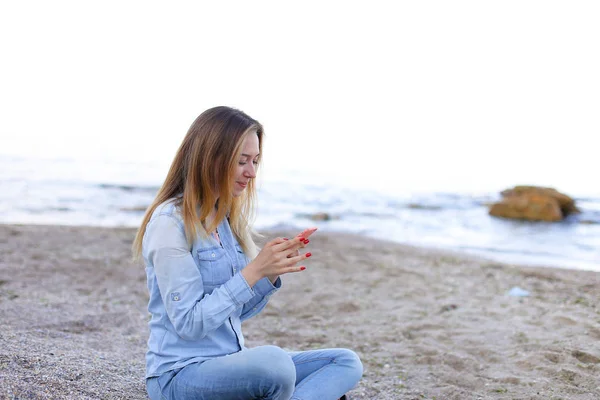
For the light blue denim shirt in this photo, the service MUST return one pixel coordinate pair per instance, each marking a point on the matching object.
(198, 297)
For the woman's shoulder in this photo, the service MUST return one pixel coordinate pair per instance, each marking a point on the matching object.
(169, 208)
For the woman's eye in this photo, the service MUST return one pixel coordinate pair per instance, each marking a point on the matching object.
(255, 162)
(242, 163)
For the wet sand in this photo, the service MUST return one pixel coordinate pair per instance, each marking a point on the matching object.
(426, 323)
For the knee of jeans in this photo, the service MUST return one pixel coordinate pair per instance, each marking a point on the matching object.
(153, 389)
(277, 366)
(350, 360)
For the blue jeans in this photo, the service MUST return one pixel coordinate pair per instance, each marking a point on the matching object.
(265, 372)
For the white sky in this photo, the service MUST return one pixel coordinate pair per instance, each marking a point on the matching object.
(417, 94)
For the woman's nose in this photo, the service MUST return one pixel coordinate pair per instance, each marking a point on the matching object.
(250, 171)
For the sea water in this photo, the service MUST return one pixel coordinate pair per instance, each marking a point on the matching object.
(114, 193)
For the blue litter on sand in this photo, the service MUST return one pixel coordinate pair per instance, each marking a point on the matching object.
(518, 292)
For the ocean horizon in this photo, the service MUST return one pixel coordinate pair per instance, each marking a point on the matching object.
(112, 193)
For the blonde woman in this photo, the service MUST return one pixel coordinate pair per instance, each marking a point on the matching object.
(205, 277)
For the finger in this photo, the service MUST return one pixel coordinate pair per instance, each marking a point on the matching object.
(277, 241)
(291, 254)
(291, 244)
(294, 254)
(298, 258)
(293, 269)
(300, 244)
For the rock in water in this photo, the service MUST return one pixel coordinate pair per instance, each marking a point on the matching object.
(533, 203)
(320, 216)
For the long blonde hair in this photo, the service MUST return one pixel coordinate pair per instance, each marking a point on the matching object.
(203, 171)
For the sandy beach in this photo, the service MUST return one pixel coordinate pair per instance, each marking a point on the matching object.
(427, 324)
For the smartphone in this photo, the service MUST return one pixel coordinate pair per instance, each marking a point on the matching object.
(307, 232)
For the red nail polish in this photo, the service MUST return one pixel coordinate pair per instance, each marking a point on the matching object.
(285, 239)
(302, 268)
(308, 255)
(306, 241)
(301, 238)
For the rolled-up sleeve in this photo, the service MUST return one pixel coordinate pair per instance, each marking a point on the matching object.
(192, 312)
(263, 289)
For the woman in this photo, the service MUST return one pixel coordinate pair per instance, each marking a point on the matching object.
(205, 277)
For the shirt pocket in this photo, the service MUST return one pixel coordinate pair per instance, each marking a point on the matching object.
(214, 265)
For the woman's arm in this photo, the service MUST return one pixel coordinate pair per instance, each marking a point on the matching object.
(263, 289)
(192, 312)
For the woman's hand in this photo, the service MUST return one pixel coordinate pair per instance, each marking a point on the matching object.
(279, 256)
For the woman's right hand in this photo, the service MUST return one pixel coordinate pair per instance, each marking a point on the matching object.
(276, 258)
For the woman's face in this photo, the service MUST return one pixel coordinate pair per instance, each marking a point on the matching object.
(247, 163)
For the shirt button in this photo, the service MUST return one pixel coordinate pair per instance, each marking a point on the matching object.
(213, 255)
